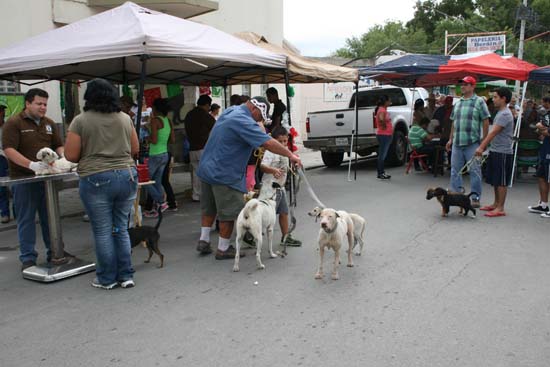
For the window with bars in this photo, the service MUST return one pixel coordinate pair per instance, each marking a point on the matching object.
(8, 87)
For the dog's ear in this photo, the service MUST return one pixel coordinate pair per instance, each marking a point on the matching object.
(337, 215)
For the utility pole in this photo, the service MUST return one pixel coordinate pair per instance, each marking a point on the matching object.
(521, 40)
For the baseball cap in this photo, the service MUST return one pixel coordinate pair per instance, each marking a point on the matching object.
(3, 102)
(469, 80)
(262, 104)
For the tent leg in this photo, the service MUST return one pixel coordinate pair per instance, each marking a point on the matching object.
(225, 95)
(291, 198)
(516, 134)
(356, 128)
(140, 95)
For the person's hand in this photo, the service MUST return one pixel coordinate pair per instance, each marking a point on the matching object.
(278, 173)
(38, 166)
(448, 146)
(479, 151)
(295, 160)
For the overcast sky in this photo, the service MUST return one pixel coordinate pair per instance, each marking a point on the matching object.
(318, 28)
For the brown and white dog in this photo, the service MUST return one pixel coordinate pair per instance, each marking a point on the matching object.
(333, 235)
(359, 226)
(55, 164)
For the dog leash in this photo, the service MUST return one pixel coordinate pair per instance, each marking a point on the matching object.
(309, 188)
(474, 160)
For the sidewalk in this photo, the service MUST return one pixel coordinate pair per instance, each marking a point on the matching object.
(70, 204)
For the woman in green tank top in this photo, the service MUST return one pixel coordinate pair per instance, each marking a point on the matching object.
(161, 133)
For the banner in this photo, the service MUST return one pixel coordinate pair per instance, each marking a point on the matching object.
(487, 43)
(16, 104)
(338, 92)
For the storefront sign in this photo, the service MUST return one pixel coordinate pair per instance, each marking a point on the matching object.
(487, 43)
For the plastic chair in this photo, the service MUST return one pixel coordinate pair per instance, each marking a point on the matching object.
(531, 148)
(415, 155)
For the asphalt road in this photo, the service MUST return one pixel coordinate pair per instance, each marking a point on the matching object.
(428, 291)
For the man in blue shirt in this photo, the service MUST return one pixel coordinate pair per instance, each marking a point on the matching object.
(222, 169)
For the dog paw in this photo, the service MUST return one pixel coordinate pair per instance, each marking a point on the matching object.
(335, 276)
(261, 267)
(160, 266)
(235, 268)
(272, 255)
(319, 276)
(281, 253)
(357, 253)
(350, 265)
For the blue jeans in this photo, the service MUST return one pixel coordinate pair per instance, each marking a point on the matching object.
(460, 156)
(4, 197)
(108, 197)
(28, 199)
(384, 142)
(156, 164)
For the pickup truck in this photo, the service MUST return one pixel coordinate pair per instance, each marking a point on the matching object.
(330, 131)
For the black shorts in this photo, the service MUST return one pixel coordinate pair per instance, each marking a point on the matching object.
(498, 169)
(543, 169)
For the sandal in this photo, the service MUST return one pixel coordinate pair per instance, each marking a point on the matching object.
(487, 208)
(495, 214)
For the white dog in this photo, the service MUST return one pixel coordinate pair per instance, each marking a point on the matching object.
(55, 164)
(256, 217)
(332, 235)
(359, 226)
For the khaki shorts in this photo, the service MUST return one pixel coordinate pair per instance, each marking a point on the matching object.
(222, 201)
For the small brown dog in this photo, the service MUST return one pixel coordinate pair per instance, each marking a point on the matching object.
(448, 199)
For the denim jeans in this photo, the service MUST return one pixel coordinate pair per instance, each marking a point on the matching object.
(28, 199)
(108, 197)
(460, 156)
(384, 142)
(156, 164)
(4, 197)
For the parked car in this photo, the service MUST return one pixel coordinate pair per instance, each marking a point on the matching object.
(330, 131)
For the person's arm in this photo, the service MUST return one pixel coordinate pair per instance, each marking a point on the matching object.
(17, 158)
(450, 142)
(134, 144)
(485, 127)
(73, 147)
(275, 147)
(271, 170)
(494, 132)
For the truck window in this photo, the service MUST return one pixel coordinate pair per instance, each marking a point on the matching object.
(368, 98)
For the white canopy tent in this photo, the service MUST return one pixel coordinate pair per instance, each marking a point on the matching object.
(114, 45)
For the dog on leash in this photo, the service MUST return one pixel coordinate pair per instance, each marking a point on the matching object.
(55, 164)
(151, 236)
(359, 226)
(448, 199)
(332, 235)
(257, 217)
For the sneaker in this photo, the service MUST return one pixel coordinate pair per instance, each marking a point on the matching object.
(97, 284)
(5, 219)
(150, 214)
(538, 209)
(545, 215)
(475, 204)
(128, 283)
(163, 207)
(173, 208)
(293, 242)
(204, 247)
(383, 176)
(27, 264)
(227, 254)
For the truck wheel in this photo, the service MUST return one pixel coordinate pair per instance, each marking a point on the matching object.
(332, 159)
(397, 154)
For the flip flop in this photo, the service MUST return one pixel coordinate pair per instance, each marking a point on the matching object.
(495, 214)
(487, 208)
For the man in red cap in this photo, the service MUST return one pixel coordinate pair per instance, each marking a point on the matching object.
(470, 115)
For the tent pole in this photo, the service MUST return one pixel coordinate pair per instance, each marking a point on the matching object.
(356, 127)
(287, 85)
(141, 90)
(516, 134)
(291, 193)
(225, 94)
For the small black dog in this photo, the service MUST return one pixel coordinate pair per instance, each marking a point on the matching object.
(150, 235)
(448, 199)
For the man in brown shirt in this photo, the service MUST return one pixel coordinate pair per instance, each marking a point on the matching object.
(198, 124)
(23, 136)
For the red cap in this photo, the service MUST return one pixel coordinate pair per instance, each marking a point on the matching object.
(469, 80)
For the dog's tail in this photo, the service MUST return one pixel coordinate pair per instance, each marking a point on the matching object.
(159, 220)
(472, 194)
(250, 207)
